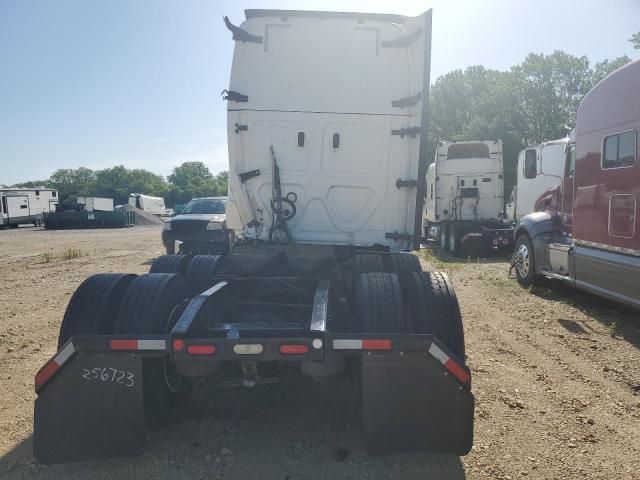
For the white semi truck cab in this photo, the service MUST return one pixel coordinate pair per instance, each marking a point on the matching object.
(464, 205)
(327, 148)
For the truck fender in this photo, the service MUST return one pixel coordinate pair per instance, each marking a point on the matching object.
(537, 223)
(541, 227)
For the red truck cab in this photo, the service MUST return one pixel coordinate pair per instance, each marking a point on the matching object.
(584, 231)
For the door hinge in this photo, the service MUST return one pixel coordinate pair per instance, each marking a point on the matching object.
(412, 131)
(404, 41)
(406, 183)
(234, 96)
(240, 34)
(407, 101)
(241, 128)
(247, 175)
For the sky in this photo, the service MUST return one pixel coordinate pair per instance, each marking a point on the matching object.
(138, 82)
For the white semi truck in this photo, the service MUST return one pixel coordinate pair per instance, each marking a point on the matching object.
(327, 130)
(464, 207)
(533, 178)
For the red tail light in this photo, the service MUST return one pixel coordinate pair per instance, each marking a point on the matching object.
(294, 349)
(201, 349)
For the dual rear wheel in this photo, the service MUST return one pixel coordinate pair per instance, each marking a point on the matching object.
(120, 304)
(388, 303)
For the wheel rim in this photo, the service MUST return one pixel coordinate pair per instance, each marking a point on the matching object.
(443, 237)
(522, 261)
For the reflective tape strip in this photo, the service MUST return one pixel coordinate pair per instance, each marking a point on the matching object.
(347, 344)
(376, 344)
(152, 344)
(133, 344)
(438, 353)
(364, 344)
(64, 354)
(448, 363)
(53, 365)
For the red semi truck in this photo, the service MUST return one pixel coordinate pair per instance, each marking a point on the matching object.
(585, 230)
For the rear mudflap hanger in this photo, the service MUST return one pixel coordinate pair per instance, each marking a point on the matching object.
(90, 396)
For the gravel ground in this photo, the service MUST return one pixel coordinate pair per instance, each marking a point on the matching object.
(556, 375)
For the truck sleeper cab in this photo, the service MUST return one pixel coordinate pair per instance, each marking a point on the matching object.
(585, 230)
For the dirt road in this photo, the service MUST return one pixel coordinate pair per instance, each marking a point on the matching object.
(556, 375)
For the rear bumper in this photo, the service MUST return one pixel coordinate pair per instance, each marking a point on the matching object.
(491, 237)
(90, 395)
(416, 394)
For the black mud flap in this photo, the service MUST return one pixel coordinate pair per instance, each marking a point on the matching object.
(411, 403)
(91, 408)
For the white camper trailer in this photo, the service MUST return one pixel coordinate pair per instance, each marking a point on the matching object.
(100, 204)
(154, 205)
(539, 168)
(26, 205)
(465, 199)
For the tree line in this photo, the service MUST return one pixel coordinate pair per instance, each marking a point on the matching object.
(532, 102)
(189, 180)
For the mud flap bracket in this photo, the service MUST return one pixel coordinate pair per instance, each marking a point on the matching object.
(410, 403)
(92, 408)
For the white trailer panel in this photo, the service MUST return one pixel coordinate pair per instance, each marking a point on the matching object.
(153, 205)
(96, 203)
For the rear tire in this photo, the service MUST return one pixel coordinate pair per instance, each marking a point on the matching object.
(444, 237)
(455, 238)
(401, 263)
(93, 307)
(434, 309)
(380, 309)
(366, 263)
(170, 264)
(379, 303)
(201, 272)
(148, 308)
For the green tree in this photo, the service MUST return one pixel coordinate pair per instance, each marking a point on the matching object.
(73, 182)
(478, 104)
(635, 39)
(32, 184)
(222, 182)
(118, 182)
(604, 68)
(549, 89)
(190, 180)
